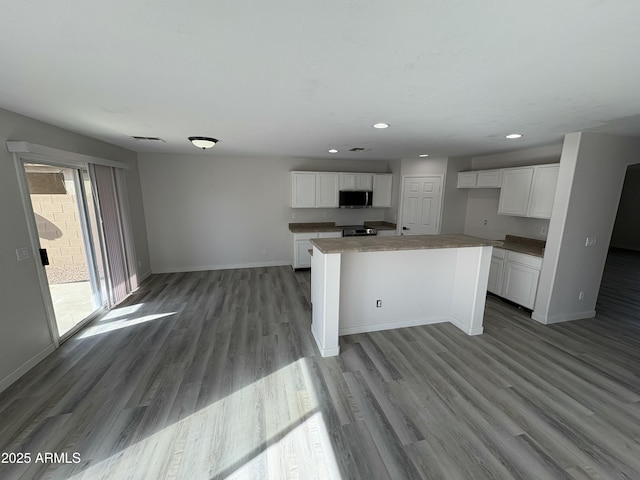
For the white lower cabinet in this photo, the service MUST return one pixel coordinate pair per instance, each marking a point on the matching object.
(496, 271)
(514, 276)
(302, 245)
(520, 283)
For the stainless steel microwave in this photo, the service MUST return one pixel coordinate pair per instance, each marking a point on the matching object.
(355, 199)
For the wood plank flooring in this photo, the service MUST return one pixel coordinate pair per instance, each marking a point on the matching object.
(215, 375)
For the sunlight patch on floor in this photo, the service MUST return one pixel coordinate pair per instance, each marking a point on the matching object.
(99, 328)
(271, 428)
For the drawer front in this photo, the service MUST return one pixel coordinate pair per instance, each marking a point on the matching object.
(524, 259)
(304, 236)
(330, 234)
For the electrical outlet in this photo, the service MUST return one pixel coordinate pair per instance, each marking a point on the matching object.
(590, 242)
(581, 295)
(543, 231)
(263, 251)
(378, 303)
(485, 221)
(22, 253)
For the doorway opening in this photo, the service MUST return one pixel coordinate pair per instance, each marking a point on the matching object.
(620, 285)
(64, 215)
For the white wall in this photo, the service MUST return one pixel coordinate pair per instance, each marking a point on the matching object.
(483, 205)
(391, 214)
(483, 202)
(24, 331)
(626, 230)
(592, 170)
(454, 210)
(209, 212)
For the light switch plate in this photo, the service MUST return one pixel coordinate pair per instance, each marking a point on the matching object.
(22, 253)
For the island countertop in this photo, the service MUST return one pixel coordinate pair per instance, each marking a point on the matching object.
(401, 242)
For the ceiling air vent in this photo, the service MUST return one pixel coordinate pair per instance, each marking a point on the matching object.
(359, 149)
(150, 139)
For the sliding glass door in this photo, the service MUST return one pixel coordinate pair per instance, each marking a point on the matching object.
(64, 216)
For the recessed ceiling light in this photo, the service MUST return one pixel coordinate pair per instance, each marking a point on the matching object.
(514, 135)
(333, 150)
(380, 125)
(423, 155)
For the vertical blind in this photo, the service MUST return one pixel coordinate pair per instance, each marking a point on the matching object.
(112, 205)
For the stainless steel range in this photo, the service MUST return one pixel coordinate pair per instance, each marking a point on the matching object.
(357, 231)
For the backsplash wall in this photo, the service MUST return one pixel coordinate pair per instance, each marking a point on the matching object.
(340, 216)
(483, 205)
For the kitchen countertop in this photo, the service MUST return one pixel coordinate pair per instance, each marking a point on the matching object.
(530, 246)
(314, 227)
(380, 225)
(401, 242)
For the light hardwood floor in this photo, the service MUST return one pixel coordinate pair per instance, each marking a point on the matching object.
(215, 375)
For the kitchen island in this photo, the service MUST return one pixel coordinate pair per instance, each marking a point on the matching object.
(365, 284)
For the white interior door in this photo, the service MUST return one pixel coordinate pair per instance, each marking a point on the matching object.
(421, 204)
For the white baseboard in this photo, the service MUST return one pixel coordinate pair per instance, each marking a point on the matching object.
(548, 320)
(466, 329)
(325, 352)
(25, 367)
(203, 268)
(414, 322)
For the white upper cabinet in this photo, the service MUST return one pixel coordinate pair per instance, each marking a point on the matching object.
(528, 191)
(480, 179)
(327, 190)
(382, 185)
(356, 181)
(543, 191)
(303, 189)
(467, 179)
(515, 191)
(322, 189)
(489, 179)
(347, 181)
(364, 181)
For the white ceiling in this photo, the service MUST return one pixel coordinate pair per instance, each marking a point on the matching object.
(297, 77)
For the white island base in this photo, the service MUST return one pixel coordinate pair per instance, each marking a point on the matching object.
(366, 291)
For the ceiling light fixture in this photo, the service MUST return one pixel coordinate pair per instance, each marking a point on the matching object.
(380, 125)
(423, 155)
(203, 142)
(514, 135)
(333, 150)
